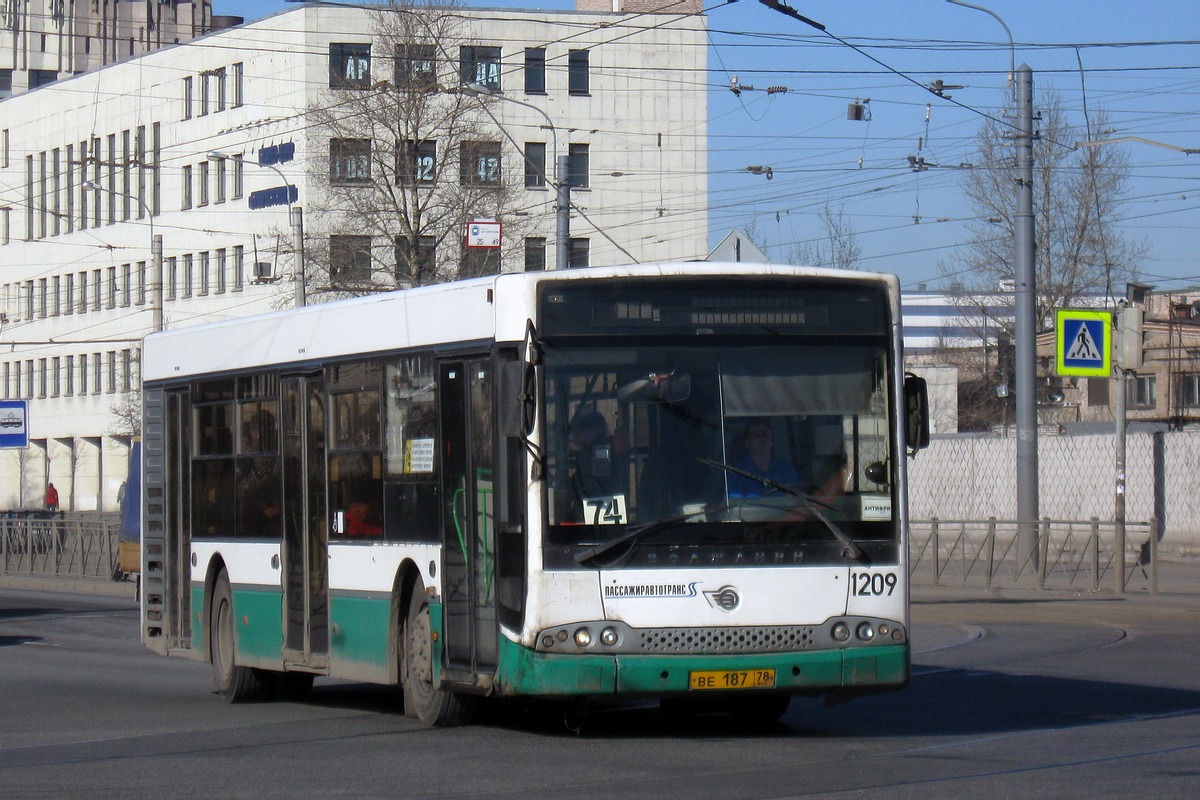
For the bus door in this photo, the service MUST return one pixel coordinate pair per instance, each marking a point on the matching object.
(468, 534)
(305, 529)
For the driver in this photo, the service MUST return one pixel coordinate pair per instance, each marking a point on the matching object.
(760, 460)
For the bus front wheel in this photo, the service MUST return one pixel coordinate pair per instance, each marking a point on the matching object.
(422, 701)
(235, 683)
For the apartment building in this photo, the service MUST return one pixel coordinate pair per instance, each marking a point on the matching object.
(162, 191)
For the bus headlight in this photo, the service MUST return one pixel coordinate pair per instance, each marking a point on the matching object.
(864, 632)
(583, 637)
(841, 632)
(608, 637)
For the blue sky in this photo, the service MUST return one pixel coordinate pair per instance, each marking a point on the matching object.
(1140, 63)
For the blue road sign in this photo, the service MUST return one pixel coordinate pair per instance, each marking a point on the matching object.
(1084, 345)
(14, 423)
(275, 196)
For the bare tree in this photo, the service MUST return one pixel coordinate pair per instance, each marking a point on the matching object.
(1077, 199)
(843, 250)
(411, 158)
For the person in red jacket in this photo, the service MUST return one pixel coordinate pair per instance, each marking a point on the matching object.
(51, 498)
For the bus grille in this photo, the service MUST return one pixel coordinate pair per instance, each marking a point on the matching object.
(683, 641)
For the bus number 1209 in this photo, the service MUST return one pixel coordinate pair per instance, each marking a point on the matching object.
(872, 584)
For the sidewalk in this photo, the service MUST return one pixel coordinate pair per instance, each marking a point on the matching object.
(75, 585)
(1178, 585)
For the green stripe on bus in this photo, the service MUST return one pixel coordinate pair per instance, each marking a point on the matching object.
(361, 629)
(525, 672)
(258, 618)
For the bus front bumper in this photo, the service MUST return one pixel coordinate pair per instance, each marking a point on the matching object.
(524, 672)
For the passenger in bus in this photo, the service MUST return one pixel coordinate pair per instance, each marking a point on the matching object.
(760, 460)
(361, 521)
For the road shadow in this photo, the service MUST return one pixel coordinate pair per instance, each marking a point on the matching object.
(942, 703)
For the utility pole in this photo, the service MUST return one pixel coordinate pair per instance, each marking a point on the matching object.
(298, 283)
(156, 281)
(562, 212)
(1026, 327)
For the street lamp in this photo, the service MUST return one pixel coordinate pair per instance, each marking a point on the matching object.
(156, 257)
(562, 186)
(1012, 49)
(295, 217)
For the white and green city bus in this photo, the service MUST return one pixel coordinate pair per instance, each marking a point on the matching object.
(545, 484)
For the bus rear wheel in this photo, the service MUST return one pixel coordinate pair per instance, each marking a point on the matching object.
(236, 684)
(422, 701)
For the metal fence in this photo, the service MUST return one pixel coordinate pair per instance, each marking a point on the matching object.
(60, 545)
(1070, 555)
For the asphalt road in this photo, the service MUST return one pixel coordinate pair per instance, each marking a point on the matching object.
(1011, 697)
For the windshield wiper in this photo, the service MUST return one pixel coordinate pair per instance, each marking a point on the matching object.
(629, 535)
(813, 505)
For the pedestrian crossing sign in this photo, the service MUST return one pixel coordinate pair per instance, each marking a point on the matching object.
(1083, 343)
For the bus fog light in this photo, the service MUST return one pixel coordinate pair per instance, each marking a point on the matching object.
(608, 637)
(841, 632)
(583, 637)
(865, 632)
(898, 635)
(547, 641)
(884, 629)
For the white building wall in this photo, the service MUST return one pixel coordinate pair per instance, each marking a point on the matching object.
(644, 122)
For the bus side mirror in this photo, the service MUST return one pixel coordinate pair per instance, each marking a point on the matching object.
(916, 413)
(518, 398)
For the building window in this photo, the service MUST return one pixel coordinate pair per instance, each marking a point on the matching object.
(41, 77)
(126, 371)
(126, 285)
(189, 275)
(186, 179)
(220, 270)
(578, 253)
(480, 163)
(204, 92)
(1142, 389)
(221, 174)
(577, 72)
(238, 84)
(535, 165)
(418, 162)
(349, 261)
(112, 372)
(535, 253)
(577, 166)
(141, 283)
(415, 264)
(416, 67)
(112, 287)
(1189, 390)
(239, 173)
(5, 84)
(480, 65)
(205, 269)
(535, 70)
(219, 75)
(349, 65)
(349, 161)
(205, 170)
(239, 266)
(172, 277)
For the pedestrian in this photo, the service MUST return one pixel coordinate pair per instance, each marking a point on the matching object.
(51, 498)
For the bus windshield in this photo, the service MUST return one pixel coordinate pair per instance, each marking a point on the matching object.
(718, 452)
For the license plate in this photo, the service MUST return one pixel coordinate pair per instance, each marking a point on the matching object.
(723, 679)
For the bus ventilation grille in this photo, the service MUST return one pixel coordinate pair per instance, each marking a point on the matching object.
(727, 640)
